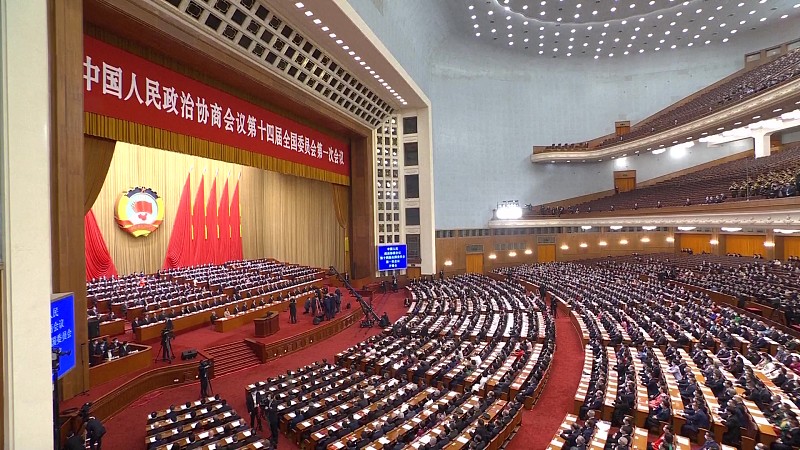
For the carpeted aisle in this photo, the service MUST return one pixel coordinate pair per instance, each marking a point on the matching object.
(126, 430)
(540, 424)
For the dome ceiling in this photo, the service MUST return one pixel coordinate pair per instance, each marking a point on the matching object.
(623, 28)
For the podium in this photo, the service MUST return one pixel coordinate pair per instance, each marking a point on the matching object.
(267, 325)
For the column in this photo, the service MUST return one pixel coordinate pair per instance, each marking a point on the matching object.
(25, 133)
(761, 143)
(427, 216)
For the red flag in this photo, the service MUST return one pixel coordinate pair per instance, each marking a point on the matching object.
(236, 226)
(179, 250)
(199, 225)
(212, 230)
(98, 259)
(223, 216)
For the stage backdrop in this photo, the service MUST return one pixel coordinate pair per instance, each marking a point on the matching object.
(284, 217)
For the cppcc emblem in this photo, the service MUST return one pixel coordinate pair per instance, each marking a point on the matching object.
(139, 211)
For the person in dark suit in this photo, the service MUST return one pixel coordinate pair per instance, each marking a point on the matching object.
(95, 432)
(74, 442)
(293, 310)
(271, 412)
(253, 400)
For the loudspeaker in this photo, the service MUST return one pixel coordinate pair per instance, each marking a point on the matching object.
(188, 354)
(94, 327)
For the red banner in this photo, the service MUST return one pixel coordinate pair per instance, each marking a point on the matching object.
(124, 86)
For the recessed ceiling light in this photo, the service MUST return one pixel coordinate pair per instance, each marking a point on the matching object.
(471, 7)
(660, 16)
(624, 22)
(346, 47)
(332, 35)
(325, 28)
(339, 41)
(752, 12)
(474, 17)
(299, 5)
(742, 22)
(540, 52)
(491, 12)
(725, 40)
(317, 21)
(309, 13)
(595, 57)
(784, 16)
(762, 19)
(733, 31)
(719, 7)
(613, 9)
(475, 26)
(699, 11)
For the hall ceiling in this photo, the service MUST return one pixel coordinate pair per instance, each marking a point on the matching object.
(624, 28)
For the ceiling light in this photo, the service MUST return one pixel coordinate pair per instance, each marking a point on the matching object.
(784, 16)
(762, 19)
(299, 5)
(477, 34)
(471, 7)
(623, 242)
(309, 13)
(339, 41)
(686, 228)
(645, 239)
(731, 229)
(317, 21)
(613, 9)
(491, 12)
(725, 40)
(325, 29)
(649, 227)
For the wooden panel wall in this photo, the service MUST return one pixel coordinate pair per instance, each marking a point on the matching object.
(66, 172)
(362, 185)
(284, 217)
(475, 263)
(454, 249)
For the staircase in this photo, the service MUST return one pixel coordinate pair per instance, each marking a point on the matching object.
(232, 357)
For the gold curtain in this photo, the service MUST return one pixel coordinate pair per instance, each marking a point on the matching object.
(284, 217)
(545, 253)
(744, 245)
(699, 243)
(475, 263)
(791, 246)
(97, 154)
(341, 204)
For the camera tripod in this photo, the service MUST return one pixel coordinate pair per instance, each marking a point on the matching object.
(165, 350)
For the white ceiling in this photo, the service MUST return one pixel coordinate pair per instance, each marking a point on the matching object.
(619, 28)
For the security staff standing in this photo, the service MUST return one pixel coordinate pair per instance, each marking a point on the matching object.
(293, 310)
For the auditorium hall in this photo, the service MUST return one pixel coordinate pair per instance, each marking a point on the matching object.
(400, 224)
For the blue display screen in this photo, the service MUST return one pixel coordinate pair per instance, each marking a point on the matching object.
(62, 331)
(392, 257)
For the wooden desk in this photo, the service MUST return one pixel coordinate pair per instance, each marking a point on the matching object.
(114, 368)
(224, 325)
(112, 328)
(267, 325)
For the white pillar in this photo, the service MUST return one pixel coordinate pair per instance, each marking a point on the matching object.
(761, 143)
(427, 216)
(25, 143)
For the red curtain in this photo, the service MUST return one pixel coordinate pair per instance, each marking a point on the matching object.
(212, 228)
(223, 216)
(236, 226)
(179, 250)
(199, 226)
(98, 259)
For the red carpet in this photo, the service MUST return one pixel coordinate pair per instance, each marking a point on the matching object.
(127, 429)
(540, 424)
(204, 338)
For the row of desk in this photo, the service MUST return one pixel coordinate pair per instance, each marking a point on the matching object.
(198, 319)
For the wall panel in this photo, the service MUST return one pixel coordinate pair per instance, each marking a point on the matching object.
(699, 243)
(791, 246)
(284, 217)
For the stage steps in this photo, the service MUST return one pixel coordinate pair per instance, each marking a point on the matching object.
(232, 357)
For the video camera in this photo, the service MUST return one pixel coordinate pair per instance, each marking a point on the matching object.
(204, 366)
(167, 334)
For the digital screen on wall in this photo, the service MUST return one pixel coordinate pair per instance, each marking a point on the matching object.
(392, 257)
(62, 331)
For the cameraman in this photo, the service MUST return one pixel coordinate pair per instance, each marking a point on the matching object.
(205, 382)
(166, 344)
